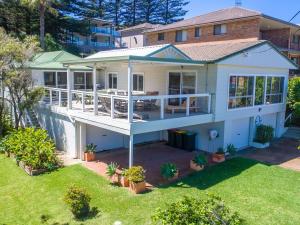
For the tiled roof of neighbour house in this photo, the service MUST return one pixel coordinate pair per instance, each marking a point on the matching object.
(53, 60)
(141, 26)
(213, 51)
(226, 14)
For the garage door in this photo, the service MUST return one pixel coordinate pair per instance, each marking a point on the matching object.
(240, 133)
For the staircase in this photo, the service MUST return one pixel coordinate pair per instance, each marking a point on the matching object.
(293, 132)
(31, 119)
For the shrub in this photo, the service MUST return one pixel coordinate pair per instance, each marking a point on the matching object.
(136, 174)
(231, 149)
(187, 211)
(78, 200)
(111, 169)
(264, 134)
(220, 151)
(200, 160)
(91, 148)
(33, 147)
(293, 92)
(168, 170)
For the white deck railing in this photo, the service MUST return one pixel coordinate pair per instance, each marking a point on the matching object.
(145, 107)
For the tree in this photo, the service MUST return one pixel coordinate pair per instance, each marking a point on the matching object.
(293, 91)
(149, 11)
(171, 11)
(132, 12)
(14, 58)
(114, 12)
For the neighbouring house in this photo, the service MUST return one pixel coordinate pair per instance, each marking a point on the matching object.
(136, 95)
(231, 24)
(101, 35)
(134, 36)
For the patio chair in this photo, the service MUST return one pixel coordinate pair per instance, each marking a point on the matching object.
(182, 107)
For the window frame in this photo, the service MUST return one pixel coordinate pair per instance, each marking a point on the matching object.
(220, 25)
(283, 101)
(107, 84)
(138, 74)
(197, 34)
(161, 36)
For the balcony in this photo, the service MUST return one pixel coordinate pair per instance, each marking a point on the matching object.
(105, 31)
(91, 44)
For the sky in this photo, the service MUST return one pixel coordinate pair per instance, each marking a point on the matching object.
(282, 9)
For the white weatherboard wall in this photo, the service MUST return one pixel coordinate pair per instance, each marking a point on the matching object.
(60, 128)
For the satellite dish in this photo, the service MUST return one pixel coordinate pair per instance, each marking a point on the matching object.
(213, 134)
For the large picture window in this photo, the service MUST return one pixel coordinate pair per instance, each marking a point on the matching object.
(274, 93)
(112, 81)
(259, 90)
(62, 80)
(138, 82)
(79, 80)
(240, 91)
(50, 79)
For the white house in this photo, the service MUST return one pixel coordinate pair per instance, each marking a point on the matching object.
(224, 86)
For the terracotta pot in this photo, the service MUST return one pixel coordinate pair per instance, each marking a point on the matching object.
(124, 181)
(217, 157)
(195, 166)
(137, 187)
(115, 179)
(89, 156)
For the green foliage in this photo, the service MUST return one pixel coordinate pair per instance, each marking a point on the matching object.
(200, 160)
(221, 150)
(264, 134)
(51, 44)
(33, 147)
(78, 200)
(231, 149)
(293, 92)
(111, 169)
(192, 211)
(136, 174)
(91, 148)
(168, 170)
(297, 109)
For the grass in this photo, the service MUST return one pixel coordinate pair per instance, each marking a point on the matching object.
(261, 194)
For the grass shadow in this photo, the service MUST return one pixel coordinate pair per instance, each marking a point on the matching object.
(94, 212)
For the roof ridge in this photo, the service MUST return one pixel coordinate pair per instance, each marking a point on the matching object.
(58, 55)
(214, 43)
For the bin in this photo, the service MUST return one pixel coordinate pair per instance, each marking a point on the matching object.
(171, 137)
(189, 141)
(179, 138)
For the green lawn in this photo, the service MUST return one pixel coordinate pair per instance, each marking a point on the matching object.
(261, 194)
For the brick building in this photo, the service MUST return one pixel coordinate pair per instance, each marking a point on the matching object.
(231, 24)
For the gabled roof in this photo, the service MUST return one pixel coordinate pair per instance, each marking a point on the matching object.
(146, 51)
(53, 60)
(226, 14)
(142, 26)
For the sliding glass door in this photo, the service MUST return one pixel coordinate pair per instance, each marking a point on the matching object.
(181, 83)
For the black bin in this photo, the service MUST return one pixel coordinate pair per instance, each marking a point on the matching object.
(179, 134)
(172, 137)
(189, 141)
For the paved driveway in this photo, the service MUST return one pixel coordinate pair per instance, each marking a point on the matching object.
(283, 152)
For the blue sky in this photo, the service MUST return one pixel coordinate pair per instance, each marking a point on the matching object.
(282, 9)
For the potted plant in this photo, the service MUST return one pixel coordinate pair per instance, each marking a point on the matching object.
(231, 149)
(89, 154)
(111, 172)
(198, 162)
(136, 177)
(219, 156)
(124, 178)
(264, 134)
(169, 171)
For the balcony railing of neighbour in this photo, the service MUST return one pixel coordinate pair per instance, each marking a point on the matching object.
(145, 106)
(90, 43)
(105, 30)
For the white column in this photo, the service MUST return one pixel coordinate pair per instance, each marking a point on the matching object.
(82, 140)
(95, 90)
(129, 89)
(131, 150)
(69, 87)
(162, 108)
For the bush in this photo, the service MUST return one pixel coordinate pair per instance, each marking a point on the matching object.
(231, 149)
(293, 92)
(78, 200)
(135, 174)
(33, 147)
(264, 134)
(111, 169)
(200, 160)
(168, 170)
(91, 148)
(187, 211)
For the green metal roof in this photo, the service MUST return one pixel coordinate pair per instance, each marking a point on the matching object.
(54, 61)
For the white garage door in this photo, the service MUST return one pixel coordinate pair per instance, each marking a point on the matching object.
(240, 133)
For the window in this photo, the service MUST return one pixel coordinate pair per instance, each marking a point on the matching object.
(240, 91)
(295, 60)
(181, 35)
(79, 80)
(112, 80)
(274, 91)
(161, 36)
(259, 91)
(138, 82)
(220, 29)
(197, 32)
(295, 39)
(50, 79)
(62, 80)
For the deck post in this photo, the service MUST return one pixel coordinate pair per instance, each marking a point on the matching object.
(129, 88)
(130, 150)
(95, 90)
(83, 101)
(209, 104)
(162, 107)
(59, 98)
(50, 96)
(187, 106)
(69, 83)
